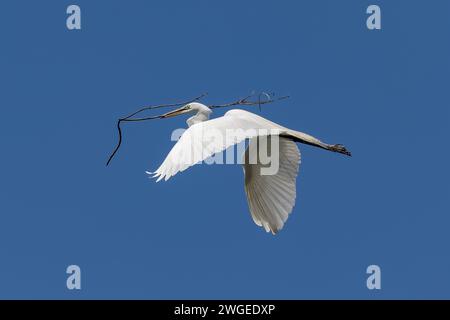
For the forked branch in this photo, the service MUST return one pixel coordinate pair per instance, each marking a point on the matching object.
(130, 118)
(247, 101)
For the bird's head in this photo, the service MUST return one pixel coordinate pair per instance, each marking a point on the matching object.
(190, 107)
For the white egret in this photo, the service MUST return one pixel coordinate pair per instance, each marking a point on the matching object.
(271, 198)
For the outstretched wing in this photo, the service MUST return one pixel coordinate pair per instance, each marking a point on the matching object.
(202, 140)
(272, 197)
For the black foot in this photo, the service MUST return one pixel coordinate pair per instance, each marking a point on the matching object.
(341, 149)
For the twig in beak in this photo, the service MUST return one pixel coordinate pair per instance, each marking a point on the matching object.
(130, 119)
(241, 102)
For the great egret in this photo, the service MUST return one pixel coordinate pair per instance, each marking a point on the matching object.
(271, 198)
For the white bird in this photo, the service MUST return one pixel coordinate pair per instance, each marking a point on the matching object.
(271, 198)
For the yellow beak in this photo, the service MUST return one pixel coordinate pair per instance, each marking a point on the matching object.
(176, 112)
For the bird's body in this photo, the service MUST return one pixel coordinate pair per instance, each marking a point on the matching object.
(271, 197)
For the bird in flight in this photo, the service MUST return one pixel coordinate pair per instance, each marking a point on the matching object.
(271, 197)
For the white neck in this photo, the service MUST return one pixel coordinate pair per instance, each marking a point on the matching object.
(202, 115)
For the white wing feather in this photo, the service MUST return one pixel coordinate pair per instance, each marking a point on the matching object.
(202, 140)
(271, 198)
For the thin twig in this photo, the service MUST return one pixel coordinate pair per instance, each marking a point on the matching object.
(163, 106)
(129, 119)
(246, 102)
(241, 102)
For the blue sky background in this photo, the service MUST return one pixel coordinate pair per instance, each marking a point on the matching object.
(384, 94)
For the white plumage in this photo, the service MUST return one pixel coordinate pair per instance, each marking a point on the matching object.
(271, 198)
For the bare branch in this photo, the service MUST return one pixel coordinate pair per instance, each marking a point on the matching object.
(247, 101)
(129, 119)
(163, 106)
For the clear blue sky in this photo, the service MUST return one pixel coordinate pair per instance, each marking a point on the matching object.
(384, 94)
